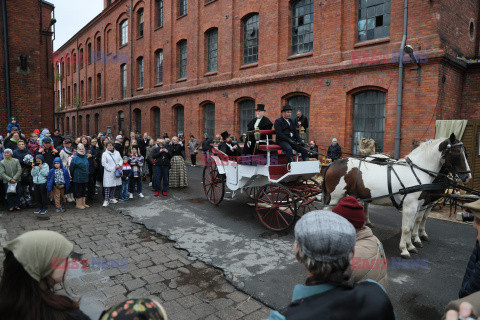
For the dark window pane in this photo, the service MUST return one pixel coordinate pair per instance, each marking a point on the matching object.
(250, 39)
(302, 26)
(247, 113)
(377, 13)
(209, 119)
(212, 50)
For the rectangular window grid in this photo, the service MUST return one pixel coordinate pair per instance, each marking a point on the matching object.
(247, 113)
(250, 40)
(140, 24)
(373, 19)
(182, 60)
(99, 85)
(140, 73)
(159, 4)
(159, 66)
(209, 118)
(180, 120)
(212, 50)
(182, 7)
(124, 32)
(124, 80)
(302, 26)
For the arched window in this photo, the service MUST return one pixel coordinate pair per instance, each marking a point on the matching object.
(182, 59)
(140, 72)
(74, 62)
(155, 115)
(159, 12)
(159, 66)
(121, 121)
(209, 119)
(99, 85)
(302, 103)
(123, 80)
(97, 122)
(87, 124)
(180, 119)
(250, 39)
(82, 92)
(90, 53)
(137, 113)
(369, 118)
(302, 26)
(99, 49)
(373, 19)
(68, 125)
(212, 49)
(123, 32)
(80, 125)
(247, 113)
(74, 126)
(140, 20)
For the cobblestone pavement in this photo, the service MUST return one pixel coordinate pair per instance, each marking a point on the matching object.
(188, 289)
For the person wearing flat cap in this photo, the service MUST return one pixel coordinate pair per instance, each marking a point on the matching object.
(262, 123)
(227, 145)
(287, 136)
(324, 244)
(469, 293)
(34, 263)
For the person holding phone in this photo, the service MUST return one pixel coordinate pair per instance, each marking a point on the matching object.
(161, 156)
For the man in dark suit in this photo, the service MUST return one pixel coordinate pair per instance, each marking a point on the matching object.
(143, 144)
(287, 136)
(301, 120)
(227, 146)
(260, 121)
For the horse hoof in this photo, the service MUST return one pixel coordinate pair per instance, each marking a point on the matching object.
(369, 224)
(424, 238)
(413, 250)
(405, 255)
(418, 244)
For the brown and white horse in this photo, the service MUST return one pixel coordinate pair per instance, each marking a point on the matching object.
(365, 180)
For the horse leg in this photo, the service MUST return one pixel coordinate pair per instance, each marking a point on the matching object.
(418, 219)
(423, 234)
(367, 215)
(408, 214)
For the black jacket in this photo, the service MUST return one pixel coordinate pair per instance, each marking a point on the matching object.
(57, 141)
(334, 152)
(119, 147)
(178, 150)
(48, 155)
(265, 124)
(142, 145)
(227, 149)
(283, 130)
(471, 279)
(161, 158)
(207, 144)
(303, 120)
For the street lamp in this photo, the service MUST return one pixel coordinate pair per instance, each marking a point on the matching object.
(409, 50)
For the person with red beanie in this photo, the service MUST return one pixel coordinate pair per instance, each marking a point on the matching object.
(369, 260)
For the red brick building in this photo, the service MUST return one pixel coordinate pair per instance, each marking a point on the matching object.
(203, 65)
(28, 92)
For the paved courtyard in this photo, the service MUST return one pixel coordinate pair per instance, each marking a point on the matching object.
(188, 289)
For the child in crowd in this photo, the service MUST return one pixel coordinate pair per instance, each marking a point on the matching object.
(136, 162)
(40, 174)
(126, 174)
(58, 182)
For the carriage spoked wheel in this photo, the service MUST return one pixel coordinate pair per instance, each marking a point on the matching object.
(252, 192)
(276, 207)
(213, 183)
(308, 200)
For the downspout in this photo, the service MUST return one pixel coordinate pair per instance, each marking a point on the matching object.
(7, 67)
(131, 68)
(79, 88)
(398, 134)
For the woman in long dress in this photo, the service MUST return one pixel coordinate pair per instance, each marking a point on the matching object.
(178, 170)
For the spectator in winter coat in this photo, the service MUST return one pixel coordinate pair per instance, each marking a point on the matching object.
(57, 138)
(136, 162)
(161, 156)
(369, 260)
(12, 142)
(193, 146)
(143, 144)
(301, 120)
(10, 172)
(13, 123)
(40, 171)
(32, 145)
(149, 160)
(111, 161)
(119, 144)
(58, 181)
(47, 151)
(334, 150)
(21, 151)
(79, 173)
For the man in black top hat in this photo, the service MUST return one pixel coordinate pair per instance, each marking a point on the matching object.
(260, 121)
(287, 136)
(227, 146)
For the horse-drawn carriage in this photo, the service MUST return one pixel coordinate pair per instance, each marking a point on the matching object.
(281, 190)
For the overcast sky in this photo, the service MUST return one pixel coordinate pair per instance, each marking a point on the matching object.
(72, 15)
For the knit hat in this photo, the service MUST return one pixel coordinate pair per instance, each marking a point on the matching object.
(39, 156)
(36, 131)
(13, 119)
(125, 158)
(45, 131)
(57, 160)
(47, 140)
(325, 236)
(8, 150)
(350, 209)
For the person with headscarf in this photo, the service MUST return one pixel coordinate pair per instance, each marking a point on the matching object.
(34, 263)
(135, 309)
(111, 162)
(11, 172)
(79, 172)
(39, 173)
(334, 150)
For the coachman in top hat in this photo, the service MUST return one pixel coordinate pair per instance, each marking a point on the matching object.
(287, 137)
(260, 121)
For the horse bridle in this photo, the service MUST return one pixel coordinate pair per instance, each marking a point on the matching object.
(455, 158)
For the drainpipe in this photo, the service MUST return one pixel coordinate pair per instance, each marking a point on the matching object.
(7, 67)
(398, 135)
(79, 87)
(131, 68)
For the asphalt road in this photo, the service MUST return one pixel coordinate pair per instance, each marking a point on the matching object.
(262, 264)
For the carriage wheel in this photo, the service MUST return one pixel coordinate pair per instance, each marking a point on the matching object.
(276, 207)
(252, 192)
(315, 205)
(213, 183)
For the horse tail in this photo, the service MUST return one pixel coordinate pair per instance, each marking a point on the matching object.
(325, 197)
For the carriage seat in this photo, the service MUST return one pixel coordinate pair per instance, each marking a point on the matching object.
(270, 147)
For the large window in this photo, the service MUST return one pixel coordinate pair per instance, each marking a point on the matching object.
(99, 48)
(212, 50)
(302, 26)
(90, 53)
(121, 121)
(209, 118)
(182, 7)
(180, 119)
(124, 32)
(140, 72)
(159, 66)
(90, 89)
(159, 12)
(82, 58)
(99, 85)
(97, 122)
(247, 113)
(369, 118)
(137, 113)
(373, 19)
(140, 20)
(301, 103)
(182, 59)
(87, 124)
(74, 62)
(156, 122)
(123, 80)
(250, 39)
